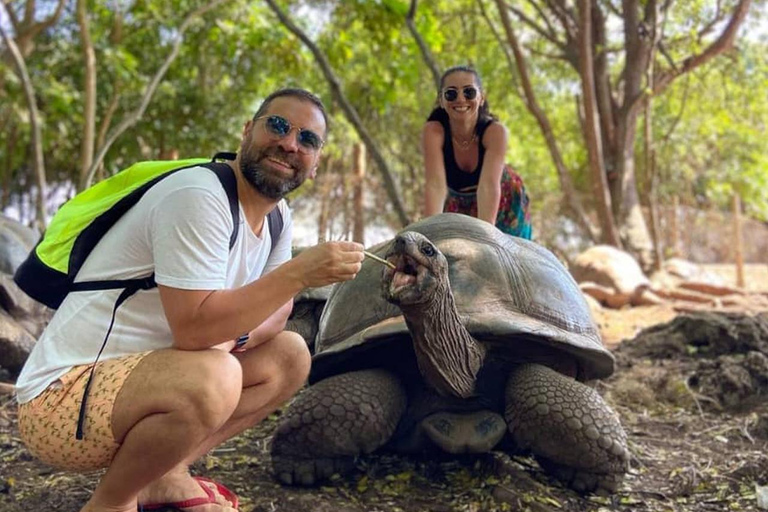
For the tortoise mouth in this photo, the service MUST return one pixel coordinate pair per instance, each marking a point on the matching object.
(402, 279)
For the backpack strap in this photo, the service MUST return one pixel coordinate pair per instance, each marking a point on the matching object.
(132, 286)
(275, 221)
(229, 182)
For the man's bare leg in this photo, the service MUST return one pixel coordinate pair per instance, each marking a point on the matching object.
(272, 373)
(172, 401)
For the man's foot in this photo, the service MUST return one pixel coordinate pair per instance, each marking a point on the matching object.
(187, 493)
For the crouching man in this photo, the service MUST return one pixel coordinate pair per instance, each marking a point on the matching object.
(204, 355)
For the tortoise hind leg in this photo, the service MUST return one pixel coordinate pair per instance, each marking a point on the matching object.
(568, 426)
(334, 421)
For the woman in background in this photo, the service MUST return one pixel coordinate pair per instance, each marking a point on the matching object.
(464, 149)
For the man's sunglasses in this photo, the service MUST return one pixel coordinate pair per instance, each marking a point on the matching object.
(279, 127)
(452, 94)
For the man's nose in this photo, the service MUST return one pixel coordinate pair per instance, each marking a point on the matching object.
(290, 142)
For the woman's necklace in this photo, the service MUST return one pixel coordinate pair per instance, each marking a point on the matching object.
(464, 144)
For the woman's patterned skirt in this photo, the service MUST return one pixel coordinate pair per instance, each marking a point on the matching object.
(514, 217)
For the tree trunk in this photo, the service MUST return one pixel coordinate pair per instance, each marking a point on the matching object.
(12, 138)
(566, 184)
(619, 104)
(38, 163)
(349, 111)
(324, 186)
(674, 227)
(358, 231)
(653, 182)
(738, 242)
(591, 129)
(347, 210)
(638, 53)
(89, 108)
(634, 230)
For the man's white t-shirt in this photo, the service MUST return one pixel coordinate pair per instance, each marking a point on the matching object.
(179, 230)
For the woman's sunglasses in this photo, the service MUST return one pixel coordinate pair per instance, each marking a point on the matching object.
(452, 94)
(279, 127)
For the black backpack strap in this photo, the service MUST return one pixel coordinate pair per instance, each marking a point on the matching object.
(229, 182)
(132, 286)
(275, 221)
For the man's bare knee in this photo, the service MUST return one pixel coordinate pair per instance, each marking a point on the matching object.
(216, 383)
(203, 388)
(295, 360)
(283, 361)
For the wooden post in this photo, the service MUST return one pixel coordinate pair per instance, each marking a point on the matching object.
(738, 242)
(358, 231)
(674, 228)
(323, 185)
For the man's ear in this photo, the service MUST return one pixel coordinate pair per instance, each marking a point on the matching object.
(313, 172)
(247, 128)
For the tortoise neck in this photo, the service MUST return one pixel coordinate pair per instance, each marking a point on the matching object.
(448, 356)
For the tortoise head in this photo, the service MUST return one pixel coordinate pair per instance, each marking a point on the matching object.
(420, 270)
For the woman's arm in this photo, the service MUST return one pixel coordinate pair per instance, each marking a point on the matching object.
(489, 187)
(435, 189)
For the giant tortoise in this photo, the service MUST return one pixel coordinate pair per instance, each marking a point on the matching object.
(474, 336)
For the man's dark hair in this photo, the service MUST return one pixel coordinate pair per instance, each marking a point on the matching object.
(301, 94)
(484, 113)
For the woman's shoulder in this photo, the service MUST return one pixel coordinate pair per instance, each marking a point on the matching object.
(435, 124)
(433, 133)
(495, 132)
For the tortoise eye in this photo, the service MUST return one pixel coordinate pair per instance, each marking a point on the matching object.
(428, 250)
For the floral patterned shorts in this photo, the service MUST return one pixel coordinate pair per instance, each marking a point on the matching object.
(513, 218)
(48, 422)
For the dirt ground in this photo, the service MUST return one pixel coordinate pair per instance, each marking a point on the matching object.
(695, 412)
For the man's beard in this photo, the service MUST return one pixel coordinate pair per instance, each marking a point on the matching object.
(268, 181)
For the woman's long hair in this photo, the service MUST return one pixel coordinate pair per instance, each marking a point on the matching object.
(484, 112)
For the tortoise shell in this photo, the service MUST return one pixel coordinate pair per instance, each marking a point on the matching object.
(510, 292)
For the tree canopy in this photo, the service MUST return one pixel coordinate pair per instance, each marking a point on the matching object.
(373, 63)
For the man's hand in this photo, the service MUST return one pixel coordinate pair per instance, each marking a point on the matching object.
(329, 263)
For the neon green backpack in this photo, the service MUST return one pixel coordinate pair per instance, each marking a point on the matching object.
(48, 273)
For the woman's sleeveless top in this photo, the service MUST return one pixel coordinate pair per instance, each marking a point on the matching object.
(457, 178)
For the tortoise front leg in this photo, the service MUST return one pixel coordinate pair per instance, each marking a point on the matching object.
(334, 421)
(568, 426)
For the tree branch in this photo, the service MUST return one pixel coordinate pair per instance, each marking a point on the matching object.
(721, 44)
(549, 33)
(134, 117)
(612, 8)
(38, 163)
(51, 20)
(425, 52)
(12, 15)
(349, 110)
(505, 48)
